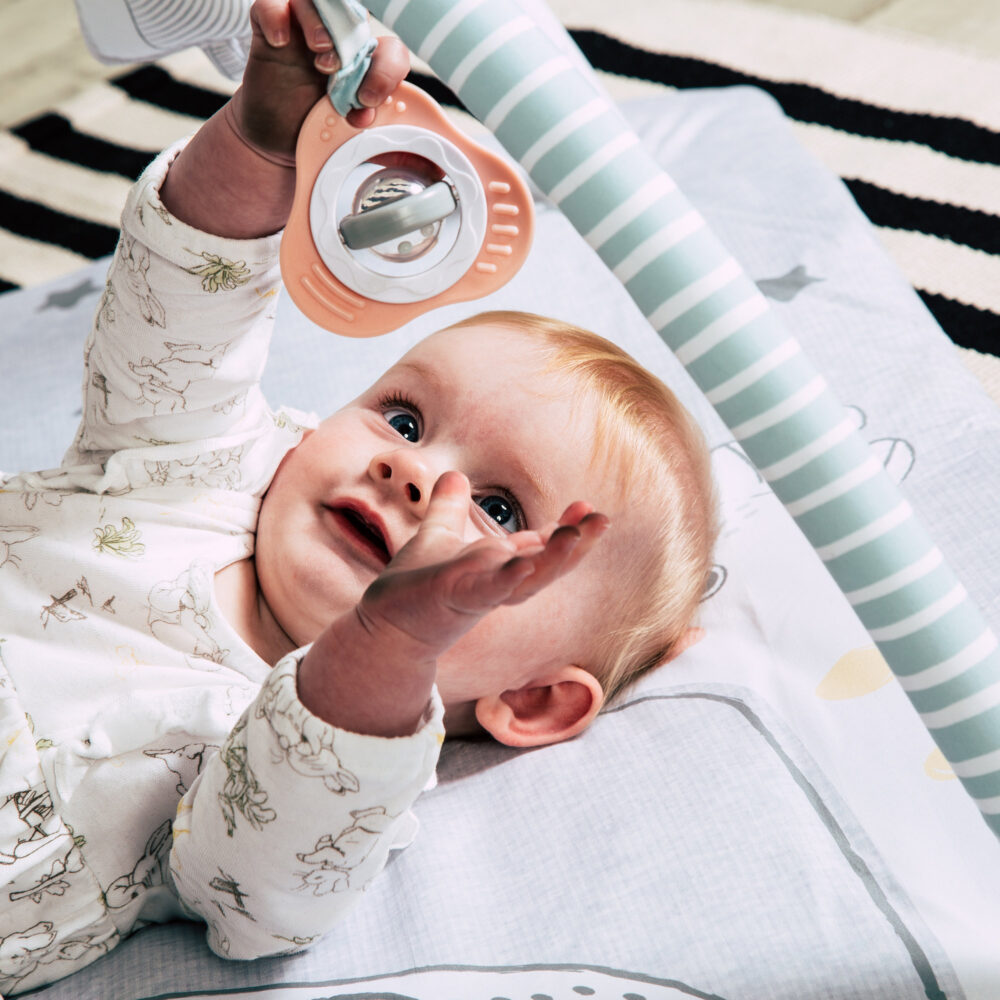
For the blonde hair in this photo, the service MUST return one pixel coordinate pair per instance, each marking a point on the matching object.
(647, 430)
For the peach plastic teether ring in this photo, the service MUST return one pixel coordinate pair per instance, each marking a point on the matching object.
(484, 265)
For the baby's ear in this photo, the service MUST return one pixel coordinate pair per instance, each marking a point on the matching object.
(549, 710)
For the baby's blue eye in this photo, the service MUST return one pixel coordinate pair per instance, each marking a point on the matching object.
(500, 509)
(404, 422)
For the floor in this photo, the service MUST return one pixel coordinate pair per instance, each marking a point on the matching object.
(45, 59)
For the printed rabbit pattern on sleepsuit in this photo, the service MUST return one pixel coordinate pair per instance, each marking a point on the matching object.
(154, 765)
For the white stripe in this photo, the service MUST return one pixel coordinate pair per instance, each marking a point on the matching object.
(481, 52)
(868, 469)
(657, 243)
(967, 708)
(527, 86)
(781, 411)
(976, 767)
(898, 580)
(690, 296)
(105, 112)
(92, 195)
(907, 168)
(445, 26)
(937, 264)
(876, 529)
(29, 262)
(820, 446)
(392, 11)
(629, 210)
(717, 331)
(747, 377)
(974, 653)
(549, 140)
(925, 77)
(988, 807)
(590, 166)
(921, 619)
(193, 69)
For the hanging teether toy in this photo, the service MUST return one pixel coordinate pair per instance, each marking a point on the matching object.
(391, 221)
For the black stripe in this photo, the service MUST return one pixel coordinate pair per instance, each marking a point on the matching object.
(438, 90)
(156, 86)
(967, 326)
(951, 222)
(39, 222)
(953, 136)
(55, 136)
(8, 286)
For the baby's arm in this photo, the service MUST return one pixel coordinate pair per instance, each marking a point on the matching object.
(285, 827)
(312, 789)
(182, 333)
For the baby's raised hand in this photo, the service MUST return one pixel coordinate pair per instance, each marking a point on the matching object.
(372, 670)
(438, 586)
(291, 57)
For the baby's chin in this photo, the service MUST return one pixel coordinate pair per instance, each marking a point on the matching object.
(302, 614)
(304, 626)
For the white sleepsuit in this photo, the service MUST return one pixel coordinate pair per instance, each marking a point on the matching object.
(153, 764)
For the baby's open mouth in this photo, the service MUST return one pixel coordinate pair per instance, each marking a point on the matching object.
(362, 531)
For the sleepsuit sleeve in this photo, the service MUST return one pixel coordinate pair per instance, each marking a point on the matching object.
(181, 334)
(290, 821)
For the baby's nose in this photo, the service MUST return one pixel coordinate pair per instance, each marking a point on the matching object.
(405, 471)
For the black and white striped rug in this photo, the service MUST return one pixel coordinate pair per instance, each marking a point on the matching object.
(912, 128)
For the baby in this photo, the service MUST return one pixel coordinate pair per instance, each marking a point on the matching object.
(230, 645)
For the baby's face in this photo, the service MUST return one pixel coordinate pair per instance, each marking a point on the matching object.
(476, 400)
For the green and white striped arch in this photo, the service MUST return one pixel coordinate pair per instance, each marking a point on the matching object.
(570, 137)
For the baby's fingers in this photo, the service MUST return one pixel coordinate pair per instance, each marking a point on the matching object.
(550, 562)
(448, 507)
(390, 64)
(313, 30)
(271, 19)
(439, 536)
(488, 586)
(576, 512)
(566, 546)
(573, 514)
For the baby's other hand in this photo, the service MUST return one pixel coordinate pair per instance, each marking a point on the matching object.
(291, 58)
(438, 586)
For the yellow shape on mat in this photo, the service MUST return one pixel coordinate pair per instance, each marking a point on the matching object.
(937, 767)
(856, 673)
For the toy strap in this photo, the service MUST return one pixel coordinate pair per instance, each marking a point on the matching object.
(347, 22)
